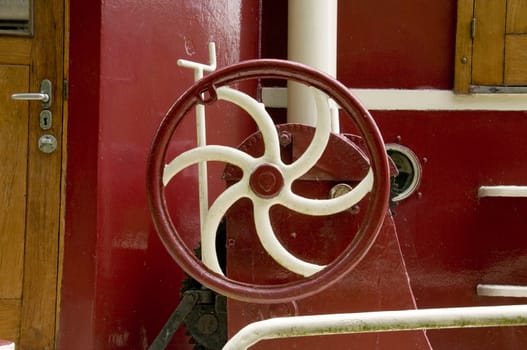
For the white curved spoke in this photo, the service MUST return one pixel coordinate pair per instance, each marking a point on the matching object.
(327, 206)
(257, 111)
(216, 212)
(208, 153)
(273, 246)
(319, 142)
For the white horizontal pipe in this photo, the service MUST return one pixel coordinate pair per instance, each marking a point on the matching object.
(381, 321)
(502, 191)
(502, 290)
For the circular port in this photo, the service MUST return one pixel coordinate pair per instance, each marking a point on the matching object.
(407, 180)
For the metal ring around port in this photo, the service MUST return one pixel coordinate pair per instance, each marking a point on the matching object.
(414, 163)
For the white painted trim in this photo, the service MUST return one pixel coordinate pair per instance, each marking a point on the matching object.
(502, 191)
(501, 290)
(418, 100)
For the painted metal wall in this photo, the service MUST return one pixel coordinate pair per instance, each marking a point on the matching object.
(120, 285)
(396, 45)
(451, 241)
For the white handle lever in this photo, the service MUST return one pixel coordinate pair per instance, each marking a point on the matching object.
(35, 96)
(43, 96)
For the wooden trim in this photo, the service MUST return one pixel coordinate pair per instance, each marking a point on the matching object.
(463, 57)
(62, 227)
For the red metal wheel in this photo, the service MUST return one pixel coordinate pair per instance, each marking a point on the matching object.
(377, 204)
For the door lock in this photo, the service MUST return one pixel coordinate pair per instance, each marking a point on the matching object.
(47, 143)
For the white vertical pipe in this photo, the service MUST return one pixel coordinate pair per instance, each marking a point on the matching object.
(312, 40)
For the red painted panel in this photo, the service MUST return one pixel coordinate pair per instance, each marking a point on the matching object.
(381, 44)
(120, 285)
(451, 240)
(79, 275)
(396, 44)
(379, 282)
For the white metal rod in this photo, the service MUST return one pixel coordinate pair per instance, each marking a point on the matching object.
(501, 290)
(312, 40)
(201, 135)
(201, 130)
(196, 66)
(381, 321)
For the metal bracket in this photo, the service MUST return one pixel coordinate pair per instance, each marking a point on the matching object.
(45, 88)
(497, 89)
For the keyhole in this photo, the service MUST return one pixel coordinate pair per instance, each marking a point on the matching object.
(45, 119)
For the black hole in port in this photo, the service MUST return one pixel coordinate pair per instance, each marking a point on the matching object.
(403, 181)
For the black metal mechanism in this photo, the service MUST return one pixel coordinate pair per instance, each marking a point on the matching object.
(207, 322)
(203, 311)
(190, 298)
(205, 315)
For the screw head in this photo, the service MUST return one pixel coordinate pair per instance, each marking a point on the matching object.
(339, 190)
(285, 138)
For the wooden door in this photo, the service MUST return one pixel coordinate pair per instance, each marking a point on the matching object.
(491, 46)
(30, 180)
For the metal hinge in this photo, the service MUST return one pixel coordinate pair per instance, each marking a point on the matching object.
(65, 89)
(473, 28)
(497, 89)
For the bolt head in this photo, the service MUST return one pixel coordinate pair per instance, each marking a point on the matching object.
(266, 181)
(285, 138)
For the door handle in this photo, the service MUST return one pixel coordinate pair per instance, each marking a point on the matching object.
(44, 96)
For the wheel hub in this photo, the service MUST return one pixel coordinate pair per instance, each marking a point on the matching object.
(266, 181)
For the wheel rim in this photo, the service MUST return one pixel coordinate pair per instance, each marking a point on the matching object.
(377, 205)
